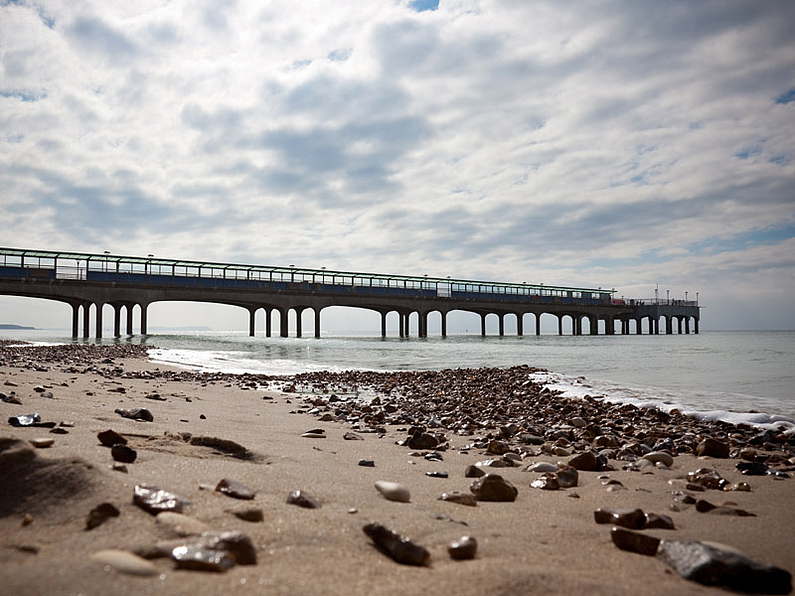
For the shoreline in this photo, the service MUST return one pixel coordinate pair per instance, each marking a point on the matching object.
(546, 539)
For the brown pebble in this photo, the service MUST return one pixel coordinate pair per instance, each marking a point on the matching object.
(303, 499)
(109, 438)
(99, 514)
(27, 520)
(634, 541)
(42, 443)
(123, 453)
(234, 489)
(462, 549)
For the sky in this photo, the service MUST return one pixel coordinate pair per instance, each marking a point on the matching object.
(620, 144)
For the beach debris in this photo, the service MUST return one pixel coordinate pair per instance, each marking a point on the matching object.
(460, 498)
(473, 472)
(249, 514)
(399, 548)
(136, 414)
(393, 491)
(124, 561)
(634, 541)
(42, 443)
(100, 514)
(154, 500)
(180, 524)
(301, 498)
(493, 487)
(712, 566)
(463, 549)
(234, 489)
(109, 438)
(704, 506)
(123, 453)
(437, 474)
(710, 447)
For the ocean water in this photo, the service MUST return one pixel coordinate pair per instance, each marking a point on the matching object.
(735, 376)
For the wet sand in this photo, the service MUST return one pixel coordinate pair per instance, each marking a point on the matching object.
(543, 542)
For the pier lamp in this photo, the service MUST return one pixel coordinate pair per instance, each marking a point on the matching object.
(696, 298)
(685, 296)
(105, 264)
(667, 295)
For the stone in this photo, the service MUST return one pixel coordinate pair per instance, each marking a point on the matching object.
(541, 466)
(463, 549)
(658, 521)
(314, 435)
(568, 477)
(24, 420)
(752, 468)
(712, 566)
(712, 448)
(42, 443)
(154, 500)
(100, 514)
(181, 525)
(136, 414)
(704, 506)
(422, 441)
(659, 457)
(234, 489)
(634, 519)
(437, 474)
(399, 548)
(460, 498)
(352, 437)
(473, 472)
(301, 498)
(393, 491)
(109, 438)
(497, 447)
(10, 399)
(493, 487)
(249, 514)
(194, 558)
(124, 561)
(123, 453)
(367, 463)
(707, 478)
(635, 542)
(588, 461)
(547, 481)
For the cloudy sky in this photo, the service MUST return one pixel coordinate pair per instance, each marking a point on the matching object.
(604, 143)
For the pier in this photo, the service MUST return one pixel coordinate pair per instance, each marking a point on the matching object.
(88, 282)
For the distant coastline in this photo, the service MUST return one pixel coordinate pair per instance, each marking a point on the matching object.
(15, 327)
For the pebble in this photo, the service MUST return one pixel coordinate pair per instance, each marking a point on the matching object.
(437, 474)
(588, 461)
(100, 514)
(399, 548)
(181, 525)
(493, 487)
(123, 453)
(628, 518)
(124, 561)
(704, 506)
(710, 447)
(634, 541)
(193, 558)
(547, 481)
(568, 477)
(109, 438)
(460, 498)
(473, 472)
(136, 414)
(234, 489)
(367, 463)
(154, 500)
(541, 466)
(393, 491)
(303, 499)
(249, 514)
(352, 437)
(659, 456)
(463, 549)
(42, 443)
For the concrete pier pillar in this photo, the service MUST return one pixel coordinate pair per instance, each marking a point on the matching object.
(687, 325)
(99, 319)
(656, 325)
(86, 318)
(143, 318)
(423, 324)
(75, 319)
(317, 321)
(679, 325)
(501, 317)
(383, 324)
(519, 324)
(401, 325)
(669, 326)
(695, 322)
(483, 324)
(252, 316)
(444, 324)
(298, 323)
(284, 322)
(268, 322)
(538, 323)
(117, 320)
(129, 308)
(560, 325)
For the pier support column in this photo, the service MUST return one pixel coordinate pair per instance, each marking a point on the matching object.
(444, 324)
(611, 325)
(502, 323)
(317, 322)
(284, 323)
(519, 324)
(143, 318)
(86, 318)
(268, 322)
(401, 325)
(483, 324)
(538, 323)
(99, 319)
(560, 325)
(669, 326)
(383, 324)
(117, 320)
(298, 323)
(656, 325)
(252, 316)
(687, 325)
(422, 322)
(695, 322)
(679, 325)
(75, 320)
(129, 308)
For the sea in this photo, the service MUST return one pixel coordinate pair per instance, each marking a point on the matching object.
(736, 376)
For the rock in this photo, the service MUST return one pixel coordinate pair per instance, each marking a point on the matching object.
(541, 466)
(194, 558)
(235, 544)
(123, 454)
(547, 481)
(42, 443)
(154, 396)
(497, 447)
(314, 434)
(24, 420)
(393, 491)
(658, 521)
(234, 489)
(136, 414)
(27, 519)
(10, 399)
(460, 498)
(367, 463)
(752, 468)
(493, 487)
(249, 514)
(303, 499)
(473, 472)
(422, 441)
(181, 525)
(588, 461)
(463, 549)
(712, 448)
(659, 457)
(99, 514)
(707, 478)
(154, 500)
(634, 541)
(59, 431)
(704, 506)
(352, 437)
(715, 567)
(568, 477)
(437, 474)
(124, 561)
(634, 519)
(399, 548)
(109, 438)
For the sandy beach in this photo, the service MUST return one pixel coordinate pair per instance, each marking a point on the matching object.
(545, 541)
